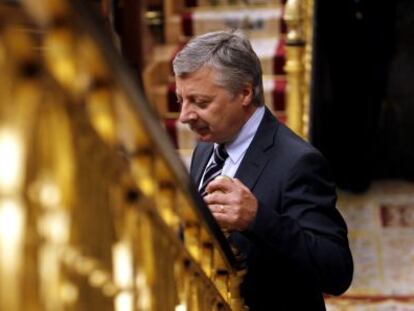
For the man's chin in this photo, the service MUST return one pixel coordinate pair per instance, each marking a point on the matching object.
(209, 138)
(204, 138)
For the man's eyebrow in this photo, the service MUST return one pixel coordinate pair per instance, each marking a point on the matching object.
(198, 95)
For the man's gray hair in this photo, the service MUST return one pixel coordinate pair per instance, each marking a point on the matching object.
(228, 52)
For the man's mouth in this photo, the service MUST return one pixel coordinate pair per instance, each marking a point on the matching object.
(199, 129)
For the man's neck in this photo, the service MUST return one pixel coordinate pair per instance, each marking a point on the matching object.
(248, 116)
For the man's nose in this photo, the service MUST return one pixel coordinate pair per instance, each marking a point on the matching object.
(186, 114)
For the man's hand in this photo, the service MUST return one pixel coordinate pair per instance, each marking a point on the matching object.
(231, 202)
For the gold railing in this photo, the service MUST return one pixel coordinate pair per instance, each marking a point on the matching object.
(96, 210)
(299, 19)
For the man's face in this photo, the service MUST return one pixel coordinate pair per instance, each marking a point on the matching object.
(211, 111)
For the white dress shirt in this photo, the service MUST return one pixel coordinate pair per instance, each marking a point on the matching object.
(238, 147)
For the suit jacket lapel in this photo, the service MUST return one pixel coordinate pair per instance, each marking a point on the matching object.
(203, 154)
(254, 160)
(257, 156)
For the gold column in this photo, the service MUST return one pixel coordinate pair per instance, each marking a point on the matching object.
(294, 65)
(299, 18)
(308, 35)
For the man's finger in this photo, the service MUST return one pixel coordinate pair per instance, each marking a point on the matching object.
(217, 208)
(216, 197)
(221, 183)
(222, 219)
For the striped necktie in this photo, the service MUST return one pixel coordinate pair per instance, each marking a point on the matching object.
(215, 167)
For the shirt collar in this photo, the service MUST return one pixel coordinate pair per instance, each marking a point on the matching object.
(237, 148)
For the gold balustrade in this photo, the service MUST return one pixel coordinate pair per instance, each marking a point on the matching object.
(97, 211)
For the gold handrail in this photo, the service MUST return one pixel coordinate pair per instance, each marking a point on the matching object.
(97, 211)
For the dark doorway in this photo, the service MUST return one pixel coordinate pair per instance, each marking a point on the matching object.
(362, 102)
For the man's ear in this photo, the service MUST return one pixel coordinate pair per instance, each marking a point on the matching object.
(247, 94)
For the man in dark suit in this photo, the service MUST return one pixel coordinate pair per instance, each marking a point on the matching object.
(279, 202)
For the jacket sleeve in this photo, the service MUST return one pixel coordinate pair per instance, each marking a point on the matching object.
(307, 229)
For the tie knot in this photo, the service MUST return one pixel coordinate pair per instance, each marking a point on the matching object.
(220, 154)
(215, 167)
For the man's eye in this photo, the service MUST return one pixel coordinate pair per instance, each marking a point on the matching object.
(201, 103)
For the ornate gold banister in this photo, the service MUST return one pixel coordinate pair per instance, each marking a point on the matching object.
(97, 211)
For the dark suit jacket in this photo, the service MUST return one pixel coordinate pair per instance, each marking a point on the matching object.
(297, 247)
